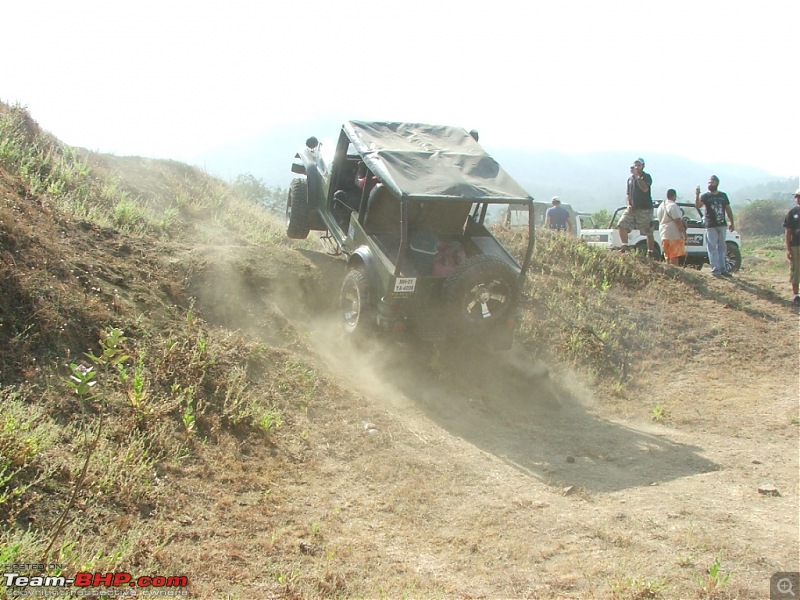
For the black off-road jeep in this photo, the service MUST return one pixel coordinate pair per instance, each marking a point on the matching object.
(408, 205)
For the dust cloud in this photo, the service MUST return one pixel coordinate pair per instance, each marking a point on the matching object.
(533, 416)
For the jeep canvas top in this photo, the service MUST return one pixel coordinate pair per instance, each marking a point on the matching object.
(432, 161)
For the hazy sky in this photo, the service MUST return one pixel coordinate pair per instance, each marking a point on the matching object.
(716, 81)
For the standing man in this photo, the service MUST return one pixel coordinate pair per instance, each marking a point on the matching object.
(557, 217)
(792, 225)
(639, 213)
(717, 206)
(672, 229)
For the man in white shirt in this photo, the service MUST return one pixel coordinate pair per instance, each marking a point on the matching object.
(672, 229)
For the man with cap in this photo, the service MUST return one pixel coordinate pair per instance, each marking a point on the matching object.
(716, 205)
(557, 217)
(639, 214)
(792, 225)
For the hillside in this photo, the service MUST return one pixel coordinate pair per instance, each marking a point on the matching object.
(622, 450)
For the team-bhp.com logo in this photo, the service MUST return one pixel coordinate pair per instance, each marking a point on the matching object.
(156, 585)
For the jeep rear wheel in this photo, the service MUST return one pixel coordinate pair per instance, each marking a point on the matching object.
(733, 257)
(297, 210)
(480, 289)
(355, 307)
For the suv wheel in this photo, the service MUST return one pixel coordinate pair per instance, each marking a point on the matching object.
(641, 248)
(297, 210)
(480, 289)
(733, 257)
(357, 312)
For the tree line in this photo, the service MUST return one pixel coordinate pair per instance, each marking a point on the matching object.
(249, 187)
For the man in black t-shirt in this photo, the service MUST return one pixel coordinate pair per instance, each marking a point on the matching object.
(716, 205)
(792, 225)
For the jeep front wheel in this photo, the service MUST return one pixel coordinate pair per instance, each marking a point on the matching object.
(297, 211)
(733, 257)
(480, 290)
(355, 307)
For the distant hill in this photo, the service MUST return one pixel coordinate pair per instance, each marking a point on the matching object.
(269, 156)
(597, 180)
(588, 182)
(775, 190)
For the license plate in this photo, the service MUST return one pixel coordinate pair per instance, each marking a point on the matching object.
(695, 239)
(596, 238)
(405, 285)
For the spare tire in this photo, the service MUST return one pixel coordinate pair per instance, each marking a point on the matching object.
(297, 210)
(480, 290)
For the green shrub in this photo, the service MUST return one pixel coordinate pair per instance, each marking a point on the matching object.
(761, 217)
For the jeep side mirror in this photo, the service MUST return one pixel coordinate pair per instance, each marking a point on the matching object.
(312, 142)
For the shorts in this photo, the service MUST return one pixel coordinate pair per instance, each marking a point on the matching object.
(638, 218)
(673, 248)
(794, 276)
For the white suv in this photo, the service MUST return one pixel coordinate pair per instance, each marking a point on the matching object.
(696, 255)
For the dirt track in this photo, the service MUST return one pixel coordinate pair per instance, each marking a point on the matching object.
(467, 479)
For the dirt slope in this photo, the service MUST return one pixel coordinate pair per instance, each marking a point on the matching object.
(417, 489)
(468, 480)
(408, 474)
